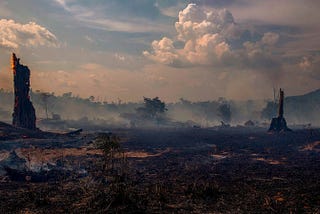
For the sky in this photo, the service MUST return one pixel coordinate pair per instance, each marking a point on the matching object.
(197, 50)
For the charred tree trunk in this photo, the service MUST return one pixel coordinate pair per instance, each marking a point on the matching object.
(281, 99)
(24, 115)
(279, 123)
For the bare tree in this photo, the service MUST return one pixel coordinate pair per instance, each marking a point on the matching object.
(224, 111)
(45, 100)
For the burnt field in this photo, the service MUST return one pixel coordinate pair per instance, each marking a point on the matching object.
(192, 170)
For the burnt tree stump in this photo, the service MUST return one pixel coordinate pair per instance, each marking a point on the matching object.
(279, 124)
(24, 115)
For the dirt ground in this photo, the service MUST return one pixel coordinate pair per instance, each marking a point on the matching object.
(234, 170)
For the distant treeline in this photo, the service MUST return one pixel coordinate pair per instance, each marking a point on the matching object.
(298, 109)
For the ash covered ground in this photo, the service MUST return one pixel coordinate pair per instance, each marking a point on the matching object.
(164, 170)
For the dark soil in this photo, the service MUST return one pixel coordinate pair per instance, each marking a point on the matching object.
(194, 170)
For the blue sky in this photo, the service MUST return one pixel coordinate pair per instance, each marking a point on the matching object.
(198, 50)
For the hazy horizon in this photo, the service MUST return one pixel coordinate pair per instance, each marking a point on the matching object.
(198, 50)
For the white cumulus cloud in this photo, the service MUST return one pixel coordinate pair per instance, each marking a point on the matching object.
(207, 35)
(204, 34)
(195, 22)
(14, 35)
(164, 51)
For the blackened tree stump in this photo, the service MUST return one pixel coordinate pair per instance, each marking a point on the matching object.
(24, 115)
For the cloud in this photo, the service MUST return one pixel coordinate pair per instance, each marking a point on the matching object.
(170, 10)
(284, 12)
(164, 52)
(204, 34)
(120, 16)
(309, 66)
(270, 38)
(119, 57)
(261, 48)
(208, 37)
(305, 63)
(14, 35)
(195, 22)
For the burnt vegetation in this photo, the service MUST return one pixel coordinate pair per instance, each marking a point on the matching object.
(165, 171)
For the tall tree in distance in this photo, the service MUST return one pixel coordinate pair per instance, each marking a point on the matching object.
(153, 108)
(224, 111)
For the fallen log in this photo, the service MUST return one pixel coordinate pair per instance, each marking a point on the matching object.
(74, 133)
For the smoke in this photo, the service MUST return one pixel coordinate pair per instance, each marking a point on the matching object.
(69, 111)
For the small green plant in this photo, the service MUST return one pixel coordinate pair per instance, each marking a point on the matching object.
(110, 145)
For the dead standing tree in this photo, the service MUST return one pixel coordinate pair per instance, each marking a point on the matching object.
(279, 123)
(45, 101)
(224, 111)
(24, 115)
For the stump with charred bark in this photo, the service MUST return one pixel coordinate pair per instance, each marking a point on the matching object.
(279, 123)
(24, 115)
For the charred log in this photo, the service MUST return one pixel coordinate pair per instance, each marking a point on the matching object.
(74, 133)
(279, 124)
(24, 115)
